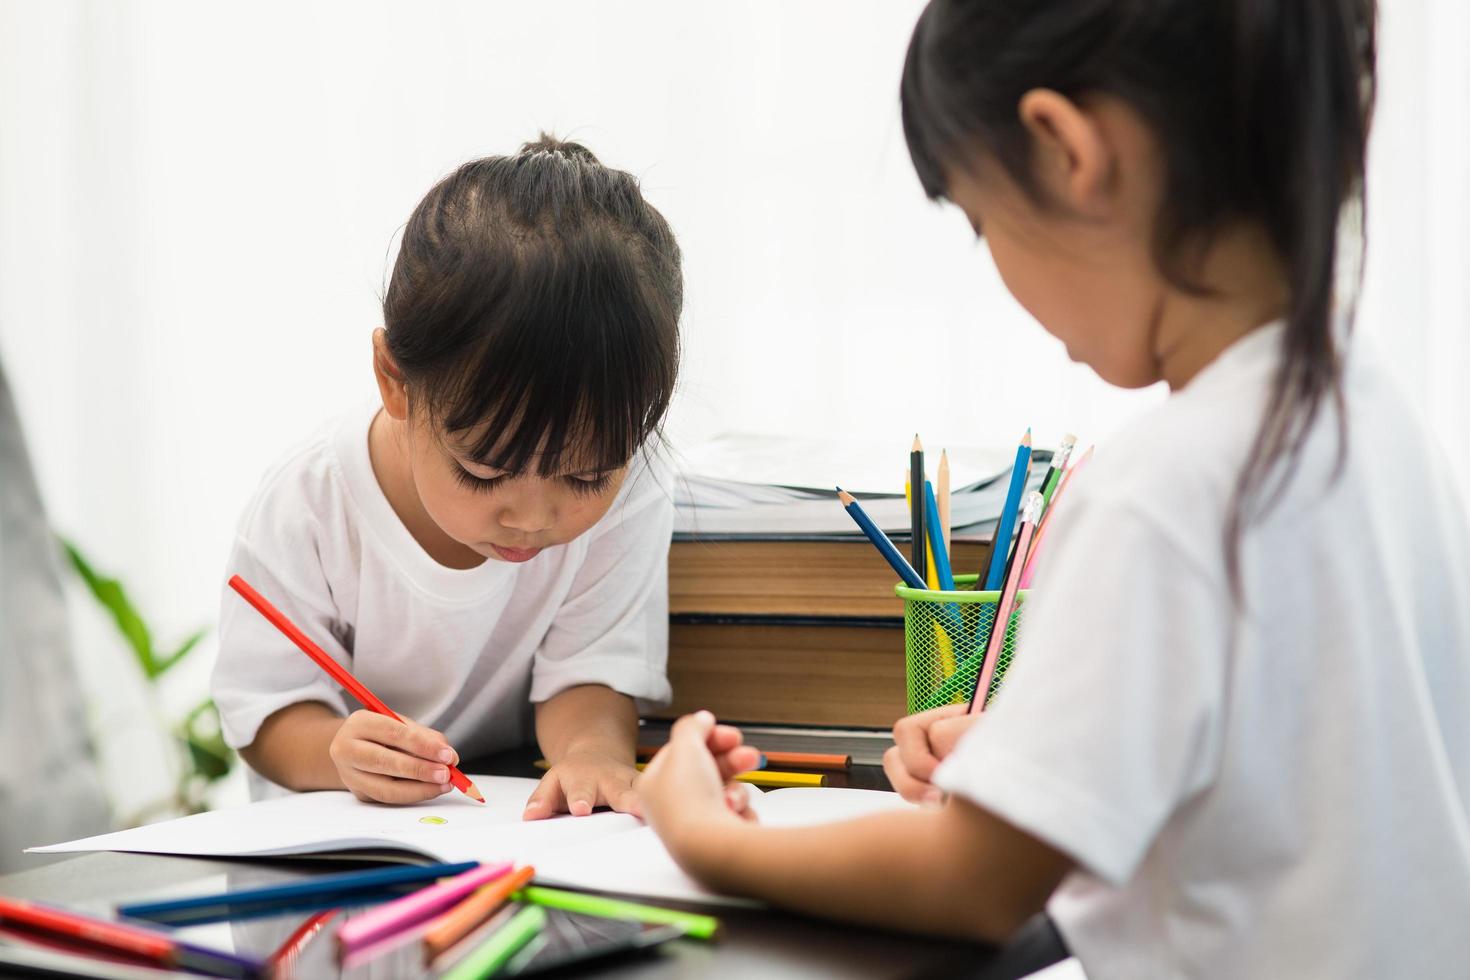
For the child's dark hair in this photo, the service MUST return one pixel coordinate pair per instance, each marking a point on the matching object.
(538, 295)
(1261, 109)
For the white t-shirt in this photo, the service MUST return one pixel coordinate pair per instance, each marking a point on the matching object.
(1278, 790)
(463, 651)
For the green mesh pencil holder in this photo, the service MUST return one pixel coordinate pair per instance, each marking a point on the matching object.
(944, 637)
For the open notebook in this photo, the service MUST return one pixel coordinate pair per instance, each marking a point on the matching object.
(610, 852)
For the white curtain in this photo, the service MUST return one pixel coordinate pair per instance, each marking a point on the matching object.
(198, 203)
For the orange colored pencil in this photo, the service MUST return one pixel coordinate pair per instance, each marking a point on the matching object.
(453, 925)
(337, 672)
(796, 760)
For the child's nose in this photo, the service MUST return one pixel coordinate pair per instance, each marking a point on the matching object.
(529, 515)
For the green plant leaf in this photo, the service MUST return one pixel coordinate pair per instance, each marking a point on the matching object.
(200, 732)
(110, 593)
(182, 651)
(211, 757)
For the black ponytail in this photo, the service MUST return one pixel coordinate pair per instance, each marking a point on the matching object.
(1261, 108)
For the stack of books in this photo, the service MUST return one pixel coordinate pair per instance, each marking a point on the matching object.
(781, 613)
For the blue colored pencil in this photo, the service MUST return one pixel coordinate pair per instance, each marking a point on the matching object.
(346, 882)
(936, 539)
(880, 541)
(1000, 547)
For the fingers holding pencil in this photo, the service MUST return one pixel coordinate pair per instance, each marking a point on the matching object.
(387, 760)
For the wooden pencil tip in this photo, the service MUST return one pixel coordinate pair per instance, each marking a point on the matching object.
(1026, 439)
(918, 446)
(473, 792)
(944, 457)
(844, 496)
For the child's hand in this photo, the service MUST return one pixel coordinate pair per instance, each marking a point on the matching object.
(383, 760)
(581, 780)
(686, 784)
(920, 742)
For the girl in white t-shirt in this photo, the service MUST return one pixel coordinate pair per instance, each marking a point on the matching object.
(1236, 738)
(494, 534)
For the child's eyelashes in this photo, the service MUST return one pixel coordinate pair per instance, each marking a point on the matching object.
(590, 485)
(469, 480)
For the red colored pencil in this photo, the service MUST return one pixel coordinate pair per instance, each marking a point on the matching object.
(338, 673)
(112, 936)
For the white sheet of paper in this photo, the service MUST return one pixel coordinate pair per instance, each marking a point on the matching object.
(611, 852)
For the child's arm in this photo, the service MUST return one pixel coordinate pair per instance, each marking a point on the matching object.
(308, 746)
(956, 871)
(589, 734)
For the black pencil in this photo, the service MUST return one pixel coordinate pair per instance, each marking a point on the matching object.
(916, 508)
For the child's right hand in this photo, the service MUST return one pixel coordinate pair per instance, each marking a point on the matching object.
(920, 742)
(382, 760)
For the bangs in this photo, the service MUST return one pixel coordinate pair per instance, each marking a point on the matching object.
(571, 367)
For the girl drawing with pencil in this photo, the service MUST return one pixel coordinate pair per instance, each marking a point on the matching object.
(484, 547)
(1236, 738)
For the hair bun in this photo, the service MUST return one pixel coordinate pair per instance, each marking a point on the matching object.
(565, 148)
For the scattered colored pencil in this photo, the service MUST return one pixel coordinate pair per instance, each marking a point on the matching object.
(756, 777)
(114, 936)
(333, 886)
(1001, 544)
(916, 507)
(69, 928)
(798, 760)
(503, 943)
(337, 672)
(980, 695)
(410, 910)
(282, 962)
(885, 547)
(452, 926)
(693, 924)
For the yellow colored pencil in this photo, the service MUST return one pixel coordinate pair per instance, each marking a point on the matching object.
(931, 575)
(757, 777)
(941, 490)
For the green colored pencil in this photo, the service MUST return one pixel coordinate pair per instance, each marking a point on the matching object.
(693, 924)
(504, 943)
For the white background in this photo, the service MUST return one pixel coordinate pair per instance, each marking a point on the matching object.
(198, 204)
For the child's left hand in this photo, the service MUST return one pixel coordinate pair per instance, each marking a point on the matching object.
(686, 786)
(581, 781)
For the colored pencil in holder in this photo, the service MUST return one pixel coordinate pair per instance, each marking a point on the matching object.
(942, 492)
(993, 573)
(1029, 519)
(1056, 469)
(1040, 537)
(916, 507)
(885, 547)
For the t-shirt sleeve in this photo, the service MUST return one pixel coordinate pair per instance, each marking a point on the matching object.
(1110, 717)
(613, 627)
(258, 670)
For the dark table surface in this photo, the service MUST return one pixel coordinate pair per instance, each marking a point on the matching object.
(754, 943)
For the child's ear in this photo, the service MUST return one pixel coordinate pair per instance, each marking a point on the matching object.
(1073, 161)
(390, 379)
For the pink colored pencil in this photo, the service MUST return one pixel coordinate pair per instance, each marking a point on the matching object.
(1030, 514)
(1030, 569)
(412, 909)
